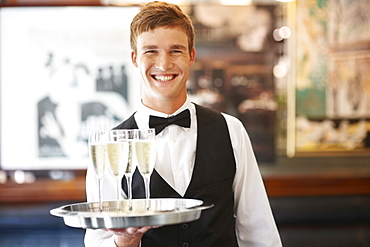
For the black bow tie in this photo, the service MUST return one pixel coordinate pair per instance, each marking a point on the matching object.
(159, 123)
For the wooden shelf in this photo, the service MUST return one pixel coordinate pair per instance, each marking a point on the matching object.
(317, 184)
(44, 190)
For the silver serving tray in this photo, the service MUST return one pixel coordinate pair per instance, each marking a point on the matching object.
(166, 211)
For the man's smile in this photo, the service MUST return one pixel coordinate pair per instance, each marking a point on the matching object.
(164, 78)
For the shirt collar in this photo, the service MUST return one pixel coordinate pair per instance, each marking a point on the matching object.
(143, 113)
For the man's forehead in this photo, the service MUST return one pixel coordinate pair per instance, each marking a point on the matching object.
(171, 36)
(173, 46)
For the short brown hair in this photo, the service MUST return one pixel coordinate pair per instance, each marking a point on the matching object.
(160, 14)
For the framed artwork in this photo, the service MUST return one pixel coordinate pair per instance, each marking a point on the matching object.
(330, 85)
(64, 71)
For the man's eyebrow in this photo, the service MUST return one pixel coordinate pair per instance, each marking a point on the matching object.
(153, 47)
(179, 47)
(149, 47)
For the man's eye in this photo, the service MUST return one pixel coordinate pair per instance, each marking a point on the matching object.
(150, 51)
(177, 52)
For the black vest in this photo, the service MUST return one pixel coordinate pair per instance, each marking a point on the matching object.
(211, 181)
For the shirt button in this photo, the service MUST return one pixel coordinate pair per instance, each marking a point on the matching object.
(185, 244)
(184, 226)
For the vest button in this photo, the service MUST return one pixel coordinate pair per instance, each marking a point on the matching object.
(184, 226)
(185, 244)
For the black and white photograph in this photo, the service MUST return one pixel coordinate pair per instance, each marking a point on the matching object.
(63, 75)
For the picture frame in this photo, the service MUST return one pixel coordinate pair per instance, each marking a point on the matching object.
(329, 81)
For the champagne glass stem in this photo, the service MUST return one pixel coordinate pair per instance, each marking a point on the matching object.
(118, 190)
(100, 181)
(129, 191)
(147, 191)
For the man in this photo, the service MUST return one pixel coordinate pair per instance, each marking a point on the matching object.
(210, 159)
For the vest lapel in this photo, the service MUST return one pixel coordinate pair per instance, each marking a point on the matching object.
(130, 123)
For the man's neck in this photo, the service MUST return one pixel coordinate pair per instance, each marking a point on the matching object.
(167, 107)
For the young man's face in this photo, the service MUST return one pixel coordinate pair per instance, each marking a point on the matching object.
(164, 61)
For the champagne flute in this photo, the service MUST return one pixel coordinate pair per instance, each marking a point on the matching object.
(98, 155)
(131, 166)
(117, 149)
(145, 153)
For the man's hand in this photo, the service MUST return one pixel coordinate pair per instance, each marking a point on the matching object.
(131, 236)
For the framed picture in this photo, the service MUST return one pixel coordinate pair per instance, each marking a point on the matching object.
(330, 84)
(64, 71)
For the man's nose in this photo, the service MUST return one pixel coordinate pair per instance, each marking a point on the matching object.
(164, 62)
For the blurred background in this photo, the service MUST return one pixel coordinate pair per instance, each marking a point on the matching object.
(296, 73)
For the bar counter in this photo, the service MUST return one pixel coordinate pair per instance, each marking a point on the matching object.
(289, 177)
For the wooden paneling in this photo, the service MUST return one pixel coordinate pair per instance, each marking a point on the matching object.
(317, 184)
(44, 190)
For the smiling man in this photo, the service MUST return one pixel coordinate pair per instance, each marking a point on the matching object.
(163, 58)
(207, 155)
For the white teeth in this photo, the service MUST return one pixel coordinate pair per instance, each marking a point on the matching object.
(164, 77)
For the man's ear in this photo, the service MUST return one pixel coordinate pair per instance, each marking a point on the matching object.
(133, 58)
(192, 56)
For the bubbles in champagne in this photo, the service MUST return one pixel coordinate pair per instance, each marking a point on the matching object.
(130, 169)
(145, 155)
(98, 154)
(118, 157)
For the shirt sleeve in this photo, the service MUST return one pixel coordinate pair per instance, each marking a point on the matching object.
(101, 238)
(255, 224)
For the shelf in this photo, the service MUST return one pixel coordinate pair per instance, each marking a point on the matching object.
(44, 190)
(277, 185)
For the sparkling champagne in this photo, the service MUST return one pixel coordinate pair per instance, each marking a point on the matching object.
(130, 169)
(118, 157)
(145, 155)
(98, 154)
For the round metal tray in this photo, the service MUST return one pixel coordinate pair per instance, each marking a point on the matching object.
(164, 211)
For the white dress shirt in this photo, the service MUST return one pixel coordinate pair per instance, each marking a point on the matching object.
(255, 225)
